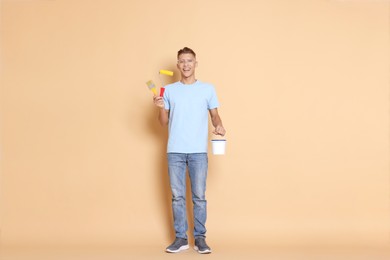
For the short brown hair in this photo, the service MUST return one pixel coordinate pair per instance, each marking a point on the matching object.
(185, 50)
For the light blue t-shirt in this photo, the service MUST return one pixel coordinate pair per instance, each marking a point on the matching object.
(188, 107)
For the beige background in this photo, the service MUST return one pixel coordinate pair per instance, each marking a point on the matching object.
(304, 92)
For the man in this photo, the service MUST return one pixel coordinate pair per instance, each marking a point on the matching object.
(184, 109)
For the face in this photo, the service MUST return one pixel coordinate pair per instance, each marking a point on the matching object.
(186, 64)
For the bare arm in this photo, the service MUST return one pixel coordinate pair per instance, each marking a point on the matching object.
(217, 122)
(163, 115)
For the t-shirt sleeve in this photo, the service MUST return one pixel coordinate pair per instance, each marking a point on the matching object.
(213, 99)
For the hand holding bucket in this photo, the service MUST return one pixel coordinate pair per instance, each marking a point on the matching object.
(219, 145)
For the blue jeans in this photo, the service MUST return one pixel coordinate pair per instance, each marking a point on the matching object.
(197, 167)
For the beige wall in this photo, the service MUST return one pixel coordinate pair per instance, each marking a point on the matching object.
(304, 92)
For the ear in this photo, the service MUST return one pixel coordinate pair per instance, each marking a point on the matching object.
(177, 65)
(196, 63)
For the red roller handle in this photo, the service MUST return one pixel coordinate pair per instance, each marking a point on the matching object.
(162, 92)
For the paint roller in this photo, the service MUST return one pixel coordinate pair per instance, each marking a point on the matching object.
(167, 73)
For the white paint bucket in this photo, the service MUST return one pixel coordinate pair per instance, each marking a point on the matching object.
(218, 146)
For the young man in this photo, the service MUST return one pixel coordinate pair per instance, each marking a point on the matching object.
(184, 109)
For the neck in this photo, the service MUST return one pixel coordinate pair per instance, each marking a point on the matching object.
(188, 81)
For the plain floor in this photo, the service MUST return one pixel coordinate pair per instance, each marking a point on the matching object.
(219, 252)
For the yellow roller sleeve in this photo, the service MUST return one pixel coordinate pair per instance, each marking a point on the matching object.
(166, 72)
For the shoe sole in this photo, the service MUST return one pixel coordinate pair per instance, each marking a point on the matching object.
(182, 248)
(207, 251)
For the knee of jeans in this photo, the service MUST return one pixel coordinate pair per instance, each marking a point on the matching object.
(198, 195)
(199, 203)
(177, 195)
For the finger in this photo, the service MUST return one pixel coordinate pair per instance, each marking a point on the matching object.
(216, 132)
(221, 132)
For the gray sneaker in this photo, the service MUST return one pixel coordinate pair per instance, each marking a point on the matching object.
(201, 246)
(178, 245)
